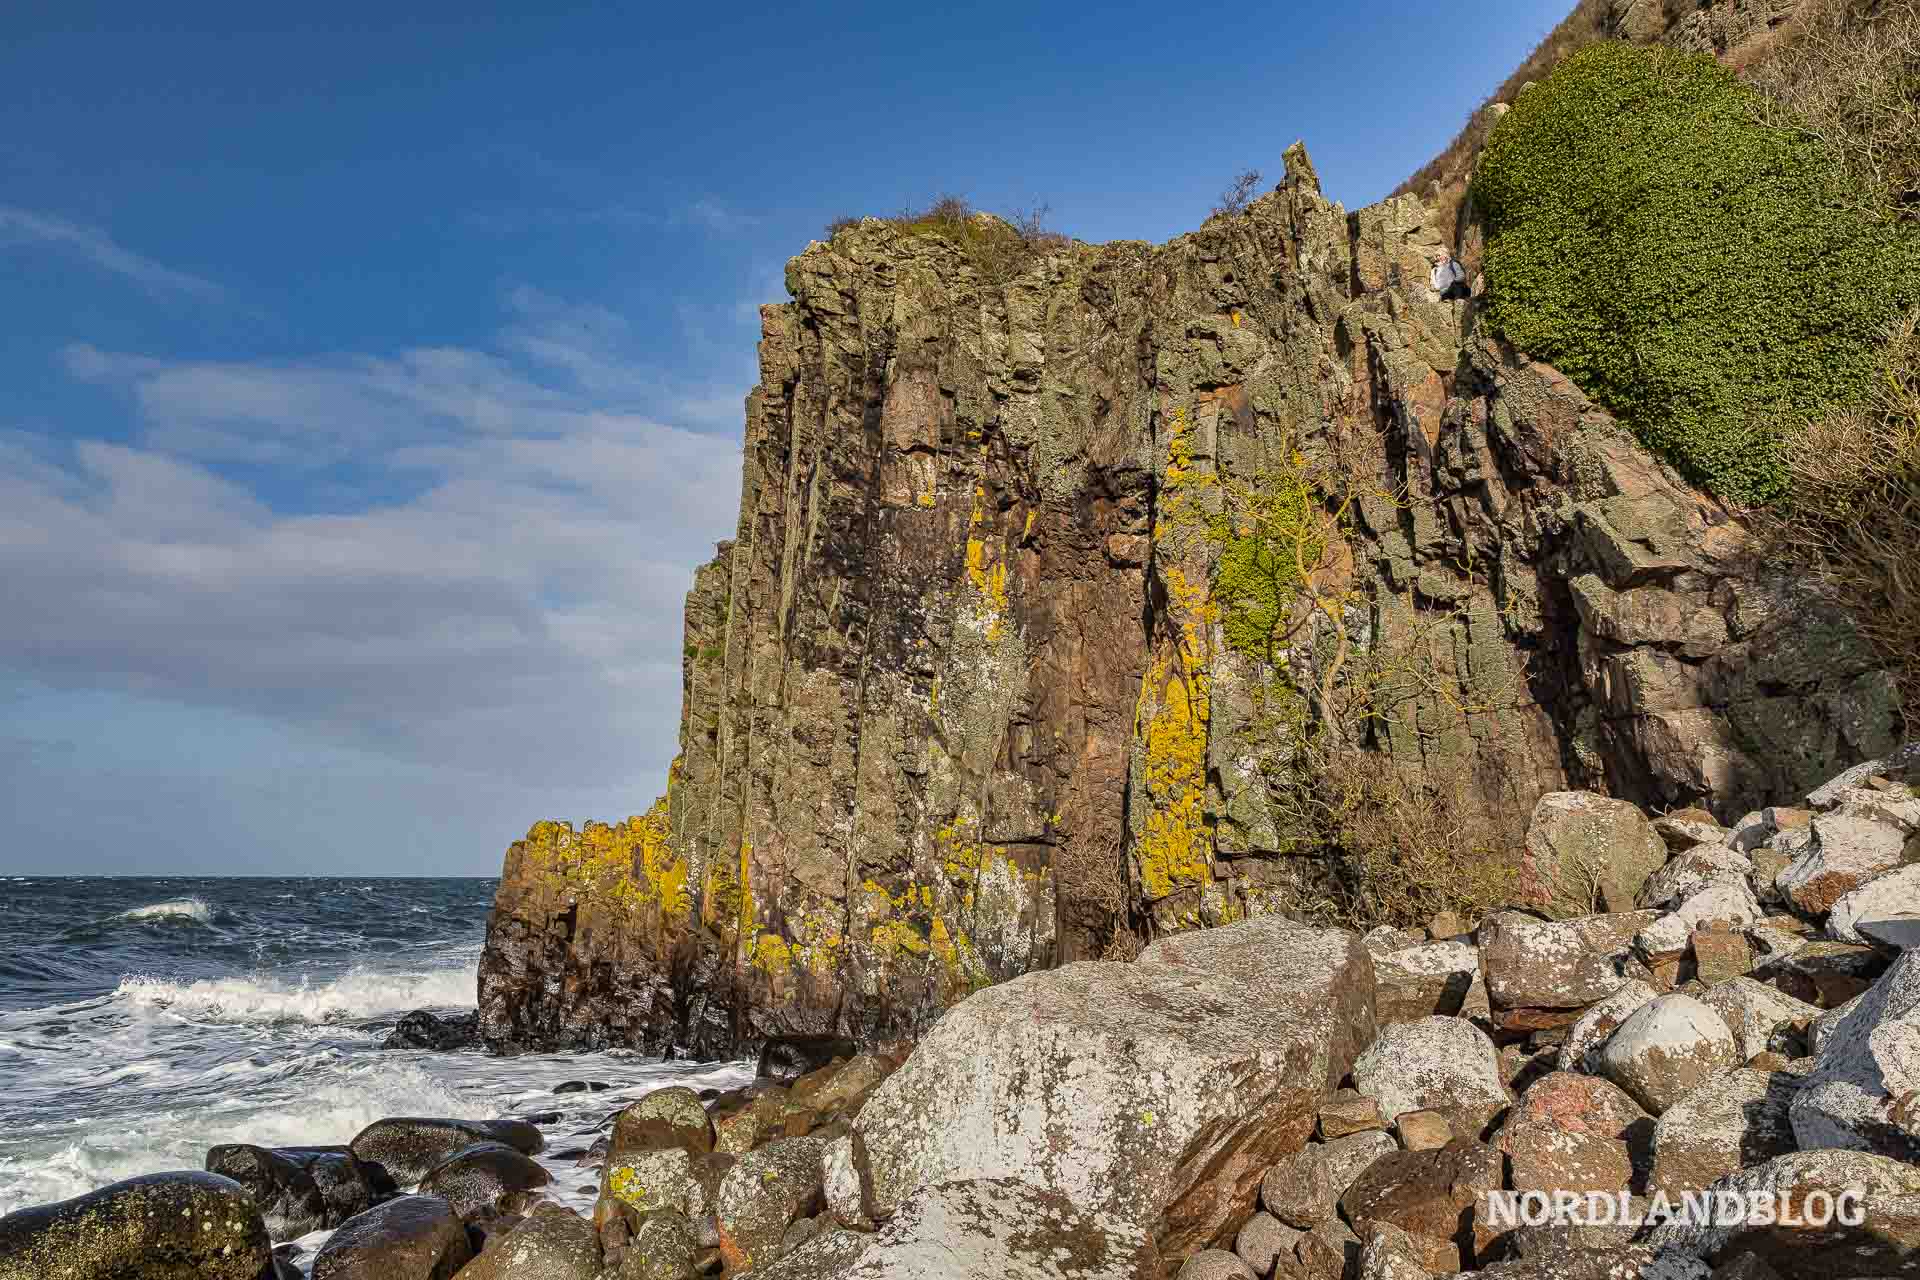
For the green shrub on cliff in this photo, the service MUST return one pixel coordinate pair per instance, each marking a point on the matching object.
(1684, 261)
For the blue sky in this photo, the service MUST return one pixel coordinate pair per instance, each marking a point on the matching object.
(370, 382)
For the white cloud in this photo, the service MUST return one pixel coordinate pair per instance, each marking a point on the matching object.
(23, 227)
(517, 616)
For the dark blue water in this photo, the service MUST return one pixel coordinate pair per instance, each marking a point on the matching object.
(144, 1020)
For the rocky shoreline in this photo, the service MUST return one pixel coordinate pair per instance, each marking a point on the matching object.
(1265, 1099)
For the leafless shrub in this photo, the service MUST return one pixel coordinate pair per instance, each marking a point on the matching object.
(1239, 194)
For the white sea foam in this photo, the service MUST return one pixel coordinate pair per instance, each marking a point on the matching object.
(357, 994)
(177, 908)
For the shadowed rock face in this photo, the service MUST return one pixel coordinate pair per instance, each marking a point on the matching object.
(961, 702)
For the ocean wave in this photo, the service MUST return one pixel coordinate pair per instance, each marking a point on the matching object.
(354, 996)
(174, 909)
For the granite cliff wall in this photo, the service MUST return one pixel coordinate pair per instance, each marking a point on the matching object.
(962, 698)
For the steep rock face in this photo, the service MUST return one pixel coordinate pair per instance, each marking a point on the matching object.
(965, 696)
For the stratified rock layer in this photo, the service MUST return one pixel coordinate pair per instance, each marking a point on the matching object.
(963, 696)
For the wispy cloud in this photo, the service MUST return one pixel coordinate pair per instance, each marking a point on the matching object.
(23, 228)
(517, 616)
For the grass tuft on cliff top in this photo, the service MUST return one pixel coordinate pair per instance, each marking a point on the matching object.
(1694, 268)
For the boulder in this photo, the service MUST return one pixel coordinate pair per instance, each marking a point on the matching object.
(790, 1057)
(670, 1117)
(1762, 1019)
(1864, 1092)
(1215, 1264)
(1849, 848)
(1349, 1157)
(1436, 1064)
(1421, 981)
(409, 1238)
(1580, 1051)
(1808, 1239)
(1429, 1193)
(157, 1227)
(1824, 974)
(1573, 1132)
(1154, 1092)
(1262, 1241)
(1888, 896)
(1331, 1251)
(1298, 1189)
(762, 1195)
(663, 1246)
(1424, 1130)
(1690, 872)
(1559, 964)
(1727, 1122)
(833, 1089)
(486, 1180)
(988, 1229)
(553, 1243)
(1348, 1111)
(423, 1030)
(1665, 1048)
(1587, 853)
(1720, 954)
(399, 1152)
(297, 1189)
(1728, 900)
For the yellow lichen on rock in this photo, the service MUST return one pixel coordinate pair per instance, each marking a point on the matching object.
(629, 865)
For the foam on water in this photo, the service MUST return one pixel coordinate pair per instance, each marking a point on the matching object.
(178, 908)
(358, 994)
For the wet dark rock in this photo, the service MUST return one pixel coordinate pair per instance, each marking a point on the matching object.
(423, 1030)
(409, 1238)
(158, 1227)
(403, 1150)
(487, 1179)
(551, 1243)
(297, 1189)
(788, 1057)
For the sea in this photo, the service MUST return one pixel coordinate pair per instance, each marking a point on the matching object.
(145, 1020)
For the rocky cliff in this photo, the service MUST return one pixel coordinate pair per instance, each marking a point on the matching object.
(1032, 574)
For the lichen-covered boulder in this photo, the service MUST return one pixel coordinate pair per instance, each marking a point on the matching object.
(832, 1089)
(1560, 964)
(670, 1117)
(1349, 1157)
(1262, 1241)
(1729, 900)
(1887, 896)
(1154, 1092)
(1850, 847)
(1688, 873)
(1727, 1122)
(1589, 853)
(1580, 1051)
(1425, 980)
(486, 1180)
(1215, 1264)
(1298, 1189)
(1864, 1093)
(1762, 1019)
(1825, 974)
(662, 1246)
(553, 1243)
(400, 1151)
(164, 1226)
(1436, 1064)
(1666, 1048)
(761, 1196)
(298, 1189)
(1428, 1193)
(409, 1238)
(1573, 1132)
(1807, 1239)
(985, 1229)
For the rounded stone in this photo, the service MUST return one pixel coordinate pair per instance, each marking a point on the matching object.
(1666, 1048)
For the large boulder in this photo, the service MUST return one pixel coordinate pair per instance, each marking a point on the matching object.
(1559, 964)
(165, 1226)
(1888, 896)
(1154, 1092)
(989, 1229)
(1573, 1132)
(298, 1189)
(1446, 1065)
(1808, 1238)
(1589, 853)
(1427, 1193)
(1761, 1018)
(1850, 847)
(1580, 1051)
(1667, 1047)
(553, 1243)
(402, 1150)
(486, 1180)
(1728, 1122)
(761, 1196)
(1864, 1093)
(410, 1238)
(1427, 979)
(1690, 872)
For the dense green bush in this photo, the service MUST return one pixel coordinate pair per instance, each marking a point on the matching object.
(1683, 260)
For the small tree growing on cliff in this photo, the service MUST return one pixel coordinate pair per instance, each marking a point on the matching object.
(1238, 194)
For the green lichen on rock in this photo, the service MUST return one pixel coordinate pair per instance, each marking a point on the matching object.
(1683, 261)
